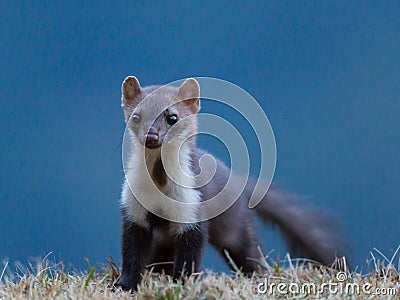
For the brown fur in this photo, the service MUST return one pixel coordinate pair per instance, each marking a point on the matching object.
(308, 232)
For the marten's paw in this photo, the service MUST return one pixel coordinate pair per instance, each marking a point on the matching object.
(126, 284)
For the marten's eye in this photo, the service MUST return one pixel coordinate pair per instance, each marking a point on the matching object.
(172, 119)
(135, 118)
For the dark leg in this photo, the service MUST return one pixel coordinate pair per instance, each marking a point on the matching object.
(162, 257)
(189, 250)
(241, 247)
(243, 259)
(136, 242)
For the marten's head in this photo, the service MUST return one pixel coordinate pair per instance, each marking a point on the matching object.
(161, 114)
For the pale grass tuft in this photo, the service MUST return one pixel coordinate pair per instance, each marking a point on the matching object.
(50, 280)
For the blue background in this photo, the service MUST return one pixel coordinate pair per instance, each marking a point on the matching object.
(326, 73)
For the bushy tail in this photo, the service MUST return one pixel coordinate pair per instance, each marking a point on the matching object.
(308, 232)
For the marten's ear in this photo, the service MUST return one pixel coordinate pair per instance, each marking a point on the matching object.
(189, 91)
(130, 90)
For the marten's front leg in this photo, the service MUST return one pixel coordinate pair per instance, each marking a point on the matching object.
(189, 251)
(136, 242)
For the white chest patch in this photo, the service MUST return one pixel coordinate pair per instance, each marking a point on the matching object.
(175, 200)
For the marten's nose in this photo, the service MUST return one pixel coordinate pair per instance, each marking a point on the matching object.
(152, 139)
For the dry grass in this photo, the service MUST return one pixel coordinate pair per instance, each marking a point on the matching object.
(47, 280)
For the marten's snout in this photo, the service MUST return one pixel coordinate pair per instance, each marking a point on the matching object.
(152, 139)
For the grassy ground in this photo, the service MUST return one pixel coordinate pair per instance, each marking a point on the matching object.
(287, 279)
